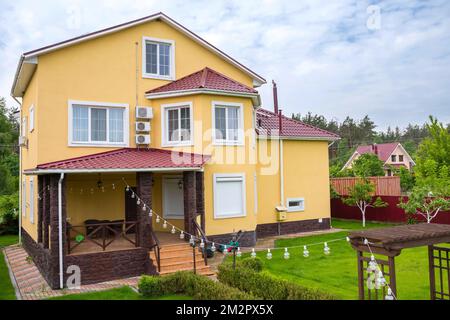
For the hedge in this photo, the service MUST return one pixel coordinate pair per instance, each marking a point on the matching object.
(196, 286)
(266, 286)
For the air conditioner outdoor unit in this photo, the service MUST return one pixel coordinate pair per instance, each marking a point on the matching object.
(142, 139)
(142, 126)
(23, 141)
(144, 113)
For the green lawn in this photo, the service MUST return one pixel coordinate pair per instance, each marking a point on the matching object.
(123, 293)
(337, 273)
(6, 288)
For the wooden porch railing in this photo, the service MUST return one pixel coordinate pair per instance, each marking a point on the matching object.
(157, 249)
(201, 233)
(102, 234)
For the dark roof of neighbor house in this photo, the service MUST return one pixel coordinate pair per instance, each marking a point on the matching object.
(268, 123)
(384, 150)
(204, 79)
(129, 159)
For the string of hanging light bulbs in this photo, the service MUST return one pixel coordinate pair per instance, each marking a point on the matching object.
(193, 238)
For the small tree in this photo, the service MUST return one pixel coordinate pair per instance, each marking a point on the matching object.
(426, 203)
(360, 195)
(368, 165)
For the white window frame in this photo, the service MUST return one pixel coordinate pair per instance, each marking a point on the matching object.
(24, 198)
(158, 41)
(31, 200)
(226, 142)
(238, 177)
(165, 124)
(295, 208)
(99, 105)
(31, 114)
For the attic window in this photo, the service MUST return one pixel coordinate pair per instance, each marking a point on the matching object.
(158, 58)
(393, 158)
(400, 158)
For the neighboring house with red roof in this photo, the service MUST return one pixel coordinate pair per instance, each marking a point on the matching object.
(393, 155)
(142, 136)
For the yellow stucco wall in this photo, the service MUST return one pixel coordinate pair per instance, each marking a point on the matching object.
(305, 176)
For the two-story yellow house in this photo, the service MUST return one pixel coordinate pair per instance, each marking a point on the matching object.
(139, 135)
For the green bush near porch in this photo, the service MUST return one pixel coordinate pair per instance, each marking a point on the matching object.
(266, 286)
(187, 283)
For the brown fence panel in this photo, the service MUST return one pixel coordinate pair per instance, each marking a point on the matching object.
(384, 186)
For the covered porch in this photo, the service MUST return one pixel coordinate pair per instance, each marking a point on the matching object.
(108, 204)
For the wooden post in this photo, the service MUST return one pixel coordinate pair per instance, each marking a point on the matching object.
(431, 273)
(359, 255)
(193, 255)
(392, 276)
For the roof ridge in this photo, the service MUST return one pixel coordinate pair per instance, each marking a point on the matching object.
(173, 81)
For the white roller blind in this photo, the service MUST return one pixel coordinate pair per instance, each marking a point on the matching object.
(229, 196)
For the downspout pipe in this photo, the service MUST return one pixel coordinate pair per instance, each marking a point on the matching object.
(60, 235)
(20, 171)
(280, 115)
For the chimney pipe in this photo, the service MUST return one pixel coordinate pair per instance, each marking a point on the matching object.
(275, 97)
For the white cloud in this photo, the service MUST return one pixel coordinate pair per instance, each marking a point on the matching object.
(321, 54)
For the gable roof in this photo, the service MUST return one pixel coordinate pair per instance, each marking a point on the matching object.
(126, 159)
(384, 150)
(28, 60)
(268, 124)
(204, 79)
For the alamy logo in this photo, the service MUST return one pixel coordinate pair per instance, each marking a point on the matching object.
(74, 279)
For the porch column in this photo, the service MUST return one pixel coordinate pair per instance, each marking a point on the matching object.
(144, 186)
(190, 202)
(200, 197)
(54, 230)
(46, 210)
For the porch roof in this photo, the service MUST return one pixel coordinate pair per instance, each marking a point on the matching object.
(126, 160)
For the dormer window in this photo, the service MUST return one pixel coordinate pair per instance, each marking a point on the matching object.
(158, 59)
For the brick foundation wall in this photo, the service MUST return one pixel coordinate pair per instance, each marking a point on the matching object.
(280, 228)
(106, 266)
(42, 259)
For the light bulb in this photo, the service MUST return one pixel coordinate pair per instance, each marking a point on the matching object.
(389, 295)
(305, 252)
(372, 264)
(192, 241)
(326, 249)
(238, 253)
(348, 239)
(158, 219)
(269, 254)
(138, 201)
(286, 254)
(366, 242)
(103, 189)
(144, 207)
(113, 186)
(133, 195)
(150, 213)
(173, 230)
(165, 224)
(202, 244)
(213, 247)
(128, 188)
(182, 235)
(225, 250)
(253, 254)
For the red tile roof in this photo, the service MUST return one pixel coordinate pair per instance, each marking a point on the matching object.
(204, 79)
(384, 150)
(268, 122)
(129, 159)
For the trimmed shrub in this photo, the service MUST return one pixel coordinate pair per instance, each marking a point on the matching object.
(266, 286)
(254, 264)
(196, 286)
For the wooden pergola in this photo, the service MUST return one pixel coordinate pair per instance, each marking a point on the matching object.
(389, 242)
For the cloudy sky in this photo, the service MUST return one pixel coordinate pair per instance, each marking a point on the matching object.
(334, 58)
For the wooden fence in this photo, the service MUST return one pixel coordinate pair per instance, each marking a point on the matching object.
(384, 186)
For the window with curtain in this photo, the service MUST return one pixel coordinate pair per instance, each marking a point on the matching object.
(158, 59)
(101, 125)
(228, 125)
(178, 125)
